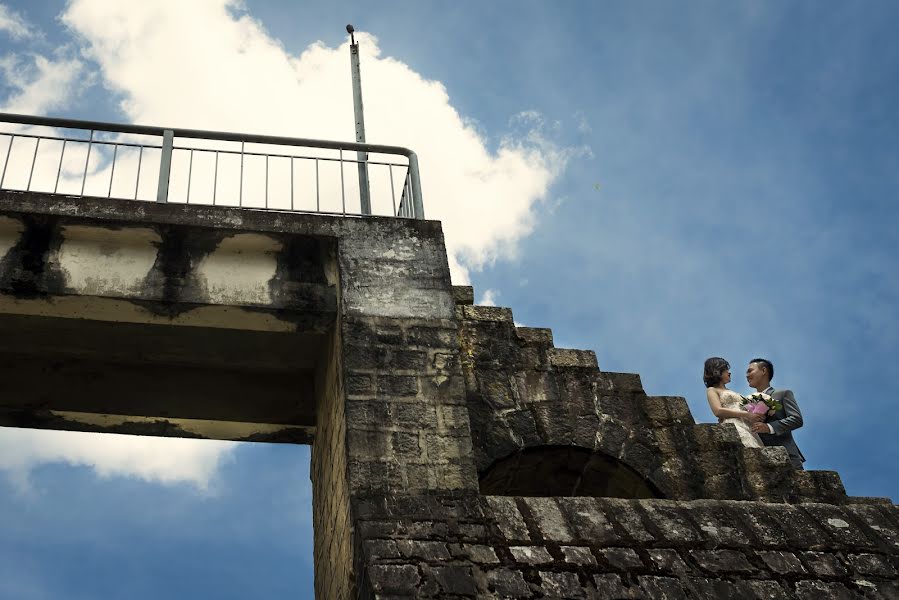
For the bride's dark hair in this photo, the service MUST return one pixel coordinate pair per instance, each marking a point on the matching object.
(714, 371)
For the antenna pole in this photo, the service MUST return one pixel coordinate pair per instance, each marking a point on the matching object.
(362, 157)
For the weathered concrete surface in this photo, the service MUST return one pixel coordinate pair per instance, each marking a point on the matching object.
(166, 268)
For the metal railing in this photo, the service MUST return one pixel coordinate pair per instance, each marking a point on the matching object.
(135, 162)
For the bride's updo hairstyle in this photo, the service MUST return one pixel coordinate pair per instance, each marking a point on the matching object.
(714, 371)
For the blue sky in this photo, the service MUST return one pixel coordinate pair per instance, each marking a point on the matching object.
(658, 182)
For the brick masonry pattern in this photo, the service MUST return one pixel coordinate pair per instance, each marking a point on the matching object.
(513, 547)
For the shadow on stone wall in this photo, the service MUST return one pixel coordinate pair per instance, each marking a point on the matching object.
(564, 471)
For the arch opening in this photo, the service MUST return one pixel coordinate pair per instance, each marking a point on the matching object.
(564, 471)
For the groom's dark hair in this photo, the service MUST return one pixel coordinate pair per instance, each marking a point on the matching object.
(766, 364)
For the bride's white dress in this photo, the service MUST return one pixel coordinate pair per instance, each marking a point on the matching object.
(734, 401)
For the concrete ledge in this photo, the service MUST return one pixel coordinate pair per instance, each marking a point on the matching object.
(215, 217)
(162, 270)
(236, 431)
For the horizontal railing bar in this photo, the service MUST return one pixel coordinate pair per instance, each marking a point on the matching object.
(211, 150)
(202, 134)
(77, 140)
(190, 148)
(297, 156)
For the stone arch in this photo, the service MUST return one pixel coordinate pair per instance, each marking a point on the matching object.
(498, 435)
(565, 471)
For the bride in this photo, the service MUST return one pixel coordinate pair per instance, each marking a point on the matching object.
(726, 404)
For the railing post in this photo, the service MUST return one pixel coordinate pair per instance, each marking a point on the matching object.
(358, 113)
(165, 166)
(418, 207)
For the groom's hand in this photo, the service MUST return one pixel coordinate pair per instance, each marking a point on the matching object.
(760, 428)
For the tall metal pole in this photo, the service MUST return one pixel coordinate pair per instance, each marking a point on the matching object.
(362, 157)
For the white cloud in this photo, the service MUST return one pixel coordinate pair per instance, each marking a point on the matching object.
(42, 84)
(489, 298)
(161, 460)
(12, 23)
(236, 77)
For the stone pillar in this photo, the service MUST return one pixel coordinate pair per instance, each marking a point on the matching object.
(392, 419)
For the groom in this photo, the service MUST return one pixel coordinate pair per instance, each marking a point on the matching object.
(778, 430)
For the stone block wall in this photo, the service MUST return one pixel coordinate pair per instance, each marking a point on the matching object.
(407, 424)
(605, 548)
(407, 433)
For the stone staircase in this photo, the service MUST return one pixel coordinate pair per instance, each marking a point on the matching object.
(536, 409)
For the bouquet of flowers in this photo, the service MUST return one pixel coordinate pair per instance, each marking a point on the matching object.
(761, 404)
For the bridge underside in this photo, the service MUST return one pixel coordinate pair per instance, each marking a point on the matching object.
(138, 378)
(160, 327)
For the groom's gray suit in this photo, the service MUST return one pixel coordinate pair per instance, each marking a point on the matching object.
(783, 423)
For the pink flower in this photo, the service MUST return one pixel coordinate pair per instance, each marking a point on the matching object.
(758, 408)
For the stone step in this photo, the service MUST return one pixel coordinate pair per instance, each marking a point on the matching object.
(463, 294)
(567, 357)
(486, 313)
(667, 411)
(535, 336)
(531, 337)
(621, 383)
